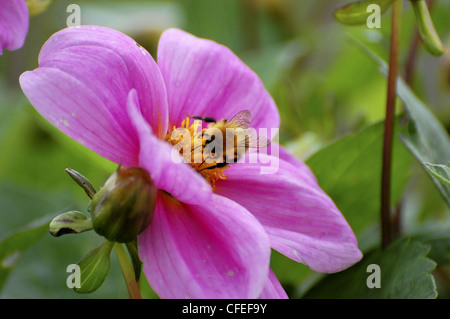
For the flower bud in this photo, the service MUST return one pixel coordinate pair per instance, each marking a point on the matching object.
(124, 206)
(36, 7)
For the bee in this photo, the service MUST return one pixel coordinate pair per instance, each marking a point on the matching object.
(237, 138)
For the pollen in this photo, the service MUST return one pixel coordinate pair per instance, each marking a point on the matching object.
(189, 140)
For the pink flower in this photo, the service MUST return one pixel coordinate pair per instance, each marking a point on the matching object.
(13, 24)
(100, 87)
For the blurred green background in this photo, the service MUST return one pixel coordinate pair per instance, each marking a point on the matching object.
(324, 85)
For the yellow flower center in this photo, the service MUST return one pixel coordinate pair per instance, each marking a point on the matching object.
(190, 140)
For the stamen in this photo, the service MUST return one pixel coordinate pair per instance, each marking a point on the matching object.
(211, 171)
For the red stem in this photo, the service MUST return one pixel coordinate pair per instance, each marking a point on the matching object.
(386, 223)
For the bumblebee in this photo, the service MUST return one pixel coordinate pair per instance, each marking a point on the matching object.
(237, 138)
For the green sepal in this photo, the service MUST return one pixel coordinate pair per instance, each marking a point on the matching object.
(94, 268)
(71, 222)
(135, 260)
(82, 181)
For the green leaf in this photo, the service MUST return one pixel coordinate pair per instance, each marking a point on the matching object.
(357, 12)
(349, 171)
(441, 172)
(440, 246)
(426, 138)
(71, 222)
(94, 268)
(404, 269)
(13, 247)
(429, 142)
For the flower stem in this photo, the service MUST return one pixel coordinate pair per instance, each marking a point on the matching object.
(386, 223)
(128, 272)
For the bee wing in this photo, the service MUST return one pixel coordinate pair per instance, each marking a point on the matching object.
(255, 140)
(241, 119)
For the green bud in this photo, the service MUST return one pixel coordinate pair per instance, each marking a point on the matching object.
(427, 31)
(124, 206)
(36, 7)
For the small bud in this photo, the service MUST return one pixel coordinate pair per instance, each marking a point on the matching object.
(124, 206)
(36, 7)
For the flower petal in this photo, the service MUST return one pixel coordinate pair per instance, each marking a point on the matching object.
(273, 288)
(302, 221)
(278, 151)
(206, 79)
(79, 112)
(217, 250)
(14, 19)
(121, 64)
(165, 165)
(82, 85)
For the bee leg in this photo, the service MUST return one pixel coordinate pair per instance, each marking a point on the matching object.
(196, 148)
(209, 120)
(218, 165)
(202, 163)
(205, 119)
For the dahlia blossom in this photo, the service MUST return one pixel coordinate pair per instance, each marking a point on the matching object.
(13, 24)
(212, 232)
